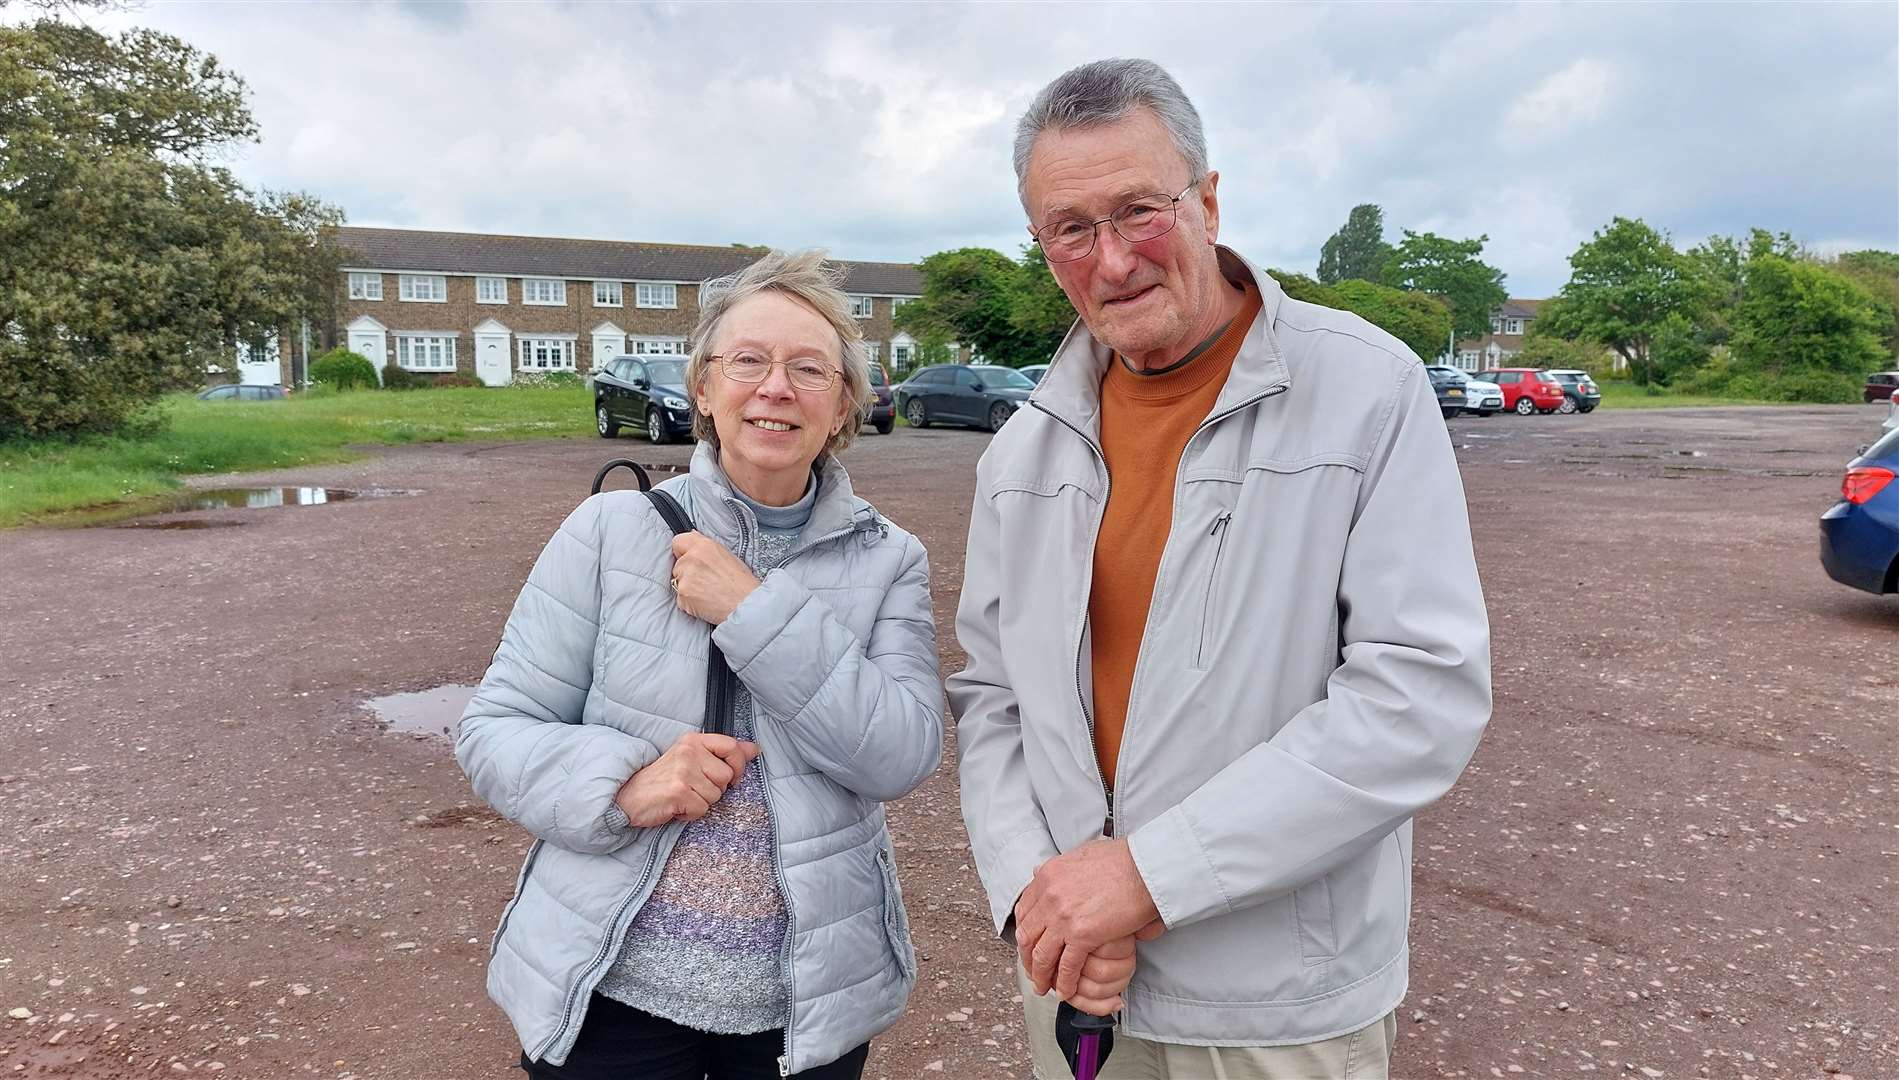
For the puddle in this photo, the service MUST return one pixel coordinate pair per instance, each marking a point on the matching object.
(432, 712)
(1692, 453)
(237, 498)
(182, 523)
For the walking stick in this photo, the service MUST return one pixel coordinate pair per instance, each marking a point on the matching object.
(1086, 1040)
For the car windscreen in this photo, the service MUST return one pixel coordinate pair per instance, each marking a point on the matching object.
(666, 372)
(1003, 377)
(877, 376)
(1887, 446)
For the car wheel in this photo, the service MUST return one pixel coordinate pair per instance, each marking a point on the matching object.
(884, 426)
(999, 415)
(604, 421)
(1450, 414)
(916, 414)
(1586, 408)
(1525, 406)
(1568, 406)
(656, 426)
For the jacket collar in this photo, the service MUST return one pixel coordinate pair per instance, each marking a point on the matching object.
(1071, 391)
(719, 514)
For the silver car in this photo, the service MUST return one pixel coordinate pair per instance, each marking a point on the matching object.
(1480, 397)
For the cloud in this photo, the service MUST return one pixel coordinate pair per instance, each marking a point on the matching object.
(883, 131)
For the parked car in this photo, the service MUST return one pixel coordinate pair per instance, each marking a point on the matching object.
(648, 392)
(982, 395)
(1892, 414)
(883, 413)
(1480, 397)
(1580, 392)
(1450, 391)
(236, 392)
(1527, 390)
(1880, 386)
(1034, 372)
(1859, 537)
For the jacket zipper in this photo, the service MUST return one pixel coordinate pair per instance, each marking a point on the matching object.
(1081, 698)
(1206, 610)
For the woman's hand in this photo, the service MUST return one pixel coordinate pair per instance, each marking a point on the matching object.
(685, 781)
(708, 581)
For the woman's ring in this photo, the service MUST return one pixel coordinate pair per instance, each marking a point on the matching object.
(675, 584)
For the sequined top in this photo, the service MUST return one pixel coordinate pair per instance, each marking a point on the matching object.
(706, 949)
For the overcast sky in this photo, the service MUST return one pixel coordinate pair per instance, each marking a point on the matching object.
(883, 131)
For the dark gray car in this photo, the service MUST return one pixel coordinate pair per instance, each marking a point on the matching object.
(977, 395)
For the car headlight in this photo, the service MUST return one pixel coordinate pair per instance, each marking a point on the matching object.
(672, 402)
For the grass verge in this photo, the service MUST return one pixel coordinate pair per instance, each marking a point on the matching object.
(1624, 395)
(41, 479)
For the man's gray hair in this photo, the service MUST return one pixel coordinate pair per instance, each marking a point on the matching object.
(804, 276)
(1102, 93)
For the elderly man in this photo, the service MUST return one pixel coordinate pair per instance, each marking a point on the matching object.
(1223, 623)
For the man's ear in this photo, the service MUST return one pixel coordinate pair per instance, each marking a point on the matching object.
(1210, 205)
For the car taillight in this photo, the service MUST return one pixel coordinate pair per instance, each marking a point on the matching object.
(1863, 483)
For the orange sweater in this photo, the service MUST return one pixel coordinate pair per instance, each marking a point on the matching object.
(1146, 421)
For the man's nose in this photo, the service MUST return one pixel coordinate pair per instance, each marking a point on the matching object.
(1115, 258)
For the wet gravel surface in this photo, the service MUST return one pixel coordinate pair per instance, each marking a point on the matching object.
(1674, 855)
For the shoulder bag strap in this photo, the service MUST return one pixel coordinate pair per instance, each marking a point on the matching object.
(721, 684)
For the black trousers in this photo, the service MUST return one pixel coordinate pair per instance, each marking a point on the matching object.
(619, 1042)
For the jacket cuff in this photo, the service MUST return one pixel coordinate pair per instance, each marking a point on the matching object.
(759, 618)
(615, 820)
(1009, 871)
(1174, 865)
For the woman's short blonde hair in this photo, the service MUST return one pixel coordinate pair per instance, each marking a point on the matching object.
(806, 277)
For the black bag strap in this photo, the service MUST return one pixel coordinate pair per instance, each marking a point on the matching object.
(721, 683)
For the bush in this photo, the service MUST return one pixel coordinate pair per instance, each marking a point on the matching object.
(343, 370)
(549, 379)
(398, 378)
(458, 378)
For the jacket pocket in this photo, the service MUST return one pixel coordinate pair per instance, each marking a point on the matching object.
(520, 882)
(896, 920)
(1312, 923)
(1219, 530)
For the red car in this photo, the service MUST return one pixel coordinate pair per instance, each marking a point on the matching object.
(1527, 390)
(1880, 386)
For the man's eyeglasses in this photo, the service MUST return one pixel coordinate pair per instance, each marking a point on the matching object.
(805, 372)
(1142, 219)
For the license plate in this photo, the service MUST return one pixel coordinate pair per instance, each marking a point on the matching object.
(1456, 393)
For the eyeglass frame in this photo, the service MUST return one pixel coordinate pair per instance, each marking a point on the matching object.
(1094, 227)
(837, 375)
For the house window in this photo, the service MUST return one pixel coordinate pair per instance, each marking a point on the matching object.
(901, 355)
(424, 288)
(1513, 326)
(425, 352)
(547, 292)
(1468, 358)
(873, 350)
(655, 294)
(898, 302)
(647, 346)
(547, 354)
(860, 307)
(607, 294)
(365, 286)
(1496, 324)
(491, 290)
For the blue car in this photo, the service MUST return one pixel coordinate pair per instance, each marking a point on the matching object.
(1859, 537)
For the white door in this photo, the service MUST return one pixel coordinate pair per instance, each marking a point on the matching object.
(368, 344)
(257, 363)
(492, 357)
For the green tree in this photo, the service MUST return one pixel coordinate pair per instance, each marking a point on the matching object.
(1422, 322)
(129, 265)
(1358, 250)
(982, 298)
(1429, 263)
(1797, 316)
(1625, 282)
(1039, 310)
(1878, 273)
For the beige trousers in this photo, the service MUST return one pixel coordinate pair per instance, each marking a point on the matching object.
(1364, 1054)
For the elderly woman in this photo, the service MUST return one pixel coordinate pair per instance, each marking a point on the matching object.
(699, 904)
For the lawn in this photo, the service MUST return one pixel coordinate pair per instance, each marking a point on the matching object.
(1625, 395)
(45, 478)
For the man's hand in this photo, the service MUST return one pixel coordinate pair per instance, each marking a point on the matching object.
(1104, 977)
(708, 581)
(685, 781)
(1077, 903)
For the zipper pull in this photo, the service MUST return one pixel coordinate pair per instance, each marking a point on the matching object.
(1107, 824)
(1220, 522)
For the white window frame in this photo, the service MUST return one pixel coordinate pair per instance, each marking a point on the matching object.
(1496, 324)
(430, 352)
(364, 286)
(615, 297)
(863, 307)
(533, 287)
(902, 356)
(1513, 326)
(544, 352)
(486, 281)
(655, 294)
(873, 351)
(409, 293)
(658, 346)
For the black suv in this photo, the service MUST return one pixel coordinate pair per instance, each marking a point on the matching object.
(648, 392)
(979, 395)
